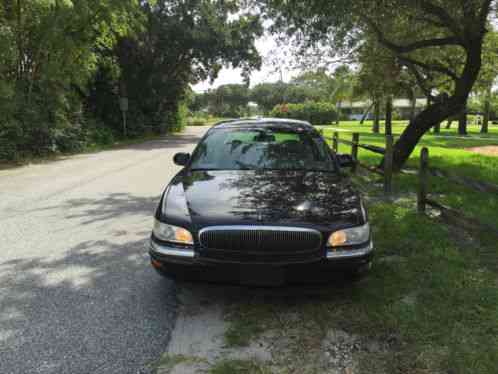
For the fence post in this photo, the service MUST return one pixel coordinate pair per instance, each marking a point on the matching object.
(335, 142)
(354, 150)
(422, 185)
(388, 165)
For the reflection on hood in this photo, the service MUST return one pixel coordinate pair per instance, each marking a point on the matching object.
(265, 197)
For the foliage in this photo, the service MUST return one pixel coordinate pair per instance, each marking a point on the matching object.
(317, 113)
(431, 292)
(48, 55)
(228, 100)
(439, 43)
(64, 66)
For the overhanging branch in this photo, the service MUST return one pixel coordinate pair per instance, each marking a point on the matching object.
(420, 81)
(431, 8)
(436, 42)
(430, 67)
(411, 47)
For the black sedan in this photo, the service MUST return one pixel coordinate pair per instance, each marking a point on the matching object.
(261, 201)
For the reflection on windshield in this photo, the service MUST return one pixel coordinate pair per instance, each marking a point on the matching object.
(261, 149)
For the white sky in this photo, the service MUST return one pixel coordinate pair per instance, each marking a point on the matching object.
(267, 47)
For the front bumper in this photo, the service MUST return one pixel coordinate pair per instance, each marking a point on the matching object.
(187, 264)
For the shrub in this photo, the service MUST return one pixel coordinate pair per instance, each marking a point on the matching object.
(102, 135)
(68, 140)
(317, 113)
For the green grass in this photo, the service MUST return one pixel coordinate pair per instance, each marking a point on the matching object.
(427, 293)
(204, 120)
(239, 367)
(447, 151)
(433, 288)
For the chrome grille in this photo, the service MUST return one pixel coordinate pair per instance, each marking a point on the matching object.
(260, 239)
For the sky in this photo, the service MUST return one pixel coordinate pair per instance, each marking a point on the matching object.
(268, 49)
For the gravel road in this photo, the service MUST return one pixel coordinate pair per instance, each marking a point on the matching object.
(77, 294)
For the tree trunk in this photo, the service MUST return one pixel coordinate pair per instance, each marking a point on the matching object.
(443, 109)
(413, 105)
(376, 121)
(448, 124)
(389, 116)
(437, 128)
(422, 123)
(462, 121)
(487, 110)
(365, 115)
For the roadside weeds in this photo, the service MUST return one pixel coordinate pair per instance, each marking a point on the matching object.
(429, 305)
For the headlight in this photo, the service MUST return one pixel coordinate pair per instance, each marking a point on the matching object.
(352, 236)
(173, 234)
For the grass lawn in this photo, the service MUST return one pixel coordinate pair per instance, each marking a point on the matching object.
(431, 298)
(447, 151)
(427, 298)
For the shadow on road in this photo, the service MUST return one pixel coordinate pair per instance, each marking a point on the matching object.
(108, 208)
(96, 307)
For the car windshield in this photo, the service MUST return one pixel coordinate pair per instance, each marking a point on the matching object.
(267, 149)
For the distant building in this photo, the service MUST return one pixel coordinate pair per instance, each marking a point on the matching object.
(355, 110)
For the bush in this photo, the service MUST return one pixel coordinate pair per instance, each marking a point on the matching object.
(175, 119)
(196, 121)
(10, 138)
(69, 140)
(101, 135)
(317, 113)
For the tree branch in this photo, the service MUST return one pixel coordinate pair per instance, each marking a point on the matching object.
(431, 8)
(430, 67)
(420, 80)
(436, 42)
(400, 49)
(483, 16)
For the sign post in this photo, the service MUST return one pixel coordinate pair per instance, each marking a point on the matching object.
(123, 104)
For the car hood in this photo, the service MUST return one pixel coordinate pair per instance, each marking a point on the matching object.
(264, 197)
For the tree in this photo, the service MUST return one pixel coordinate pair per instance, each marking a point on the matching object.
(228, 100)
(48, 54)
(268, 95)
(487, 76)
(428, 37)
(181, 43)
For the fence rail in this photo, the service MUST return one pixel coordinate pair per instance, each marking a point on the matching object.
(424, 173)
(453, 215)
(387, 152)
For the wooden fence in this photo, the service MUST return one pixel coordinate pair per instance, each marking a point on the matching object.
(387, 152)
(425, 172)
(455, 216)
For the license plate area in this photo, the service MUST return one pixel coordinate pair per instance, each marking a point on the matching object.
(261, 275)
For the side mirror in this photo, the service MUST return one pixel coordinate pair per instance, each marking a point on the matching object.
(345, 161)
(181, 159)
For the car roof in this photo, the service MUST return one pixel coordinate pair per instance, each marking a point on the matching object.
(286, 123)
